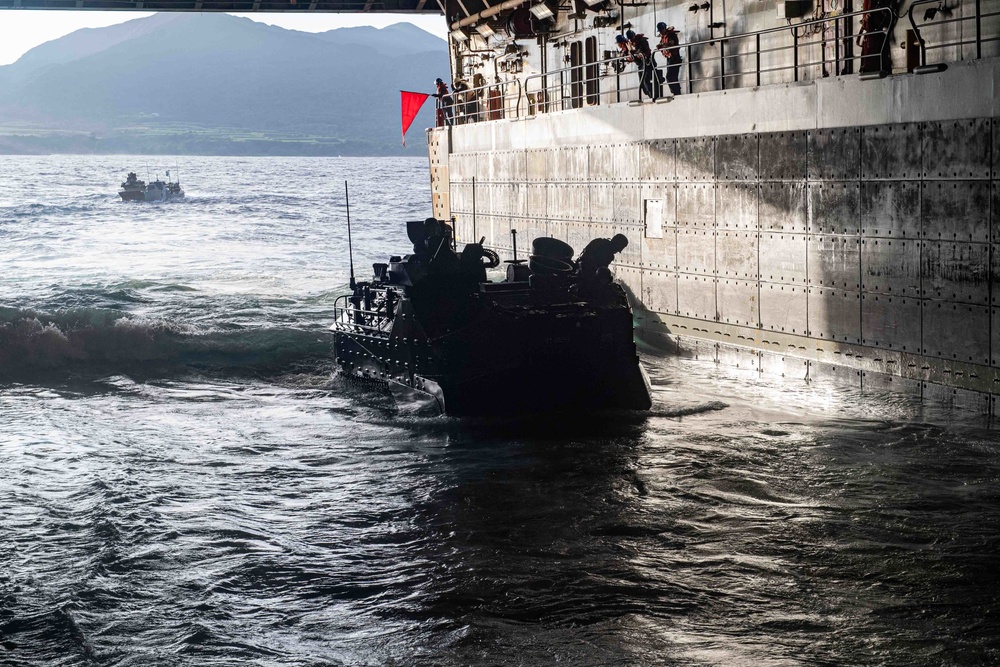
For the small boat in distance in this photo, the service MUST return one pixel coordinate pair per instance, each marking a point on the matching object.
(134, 189)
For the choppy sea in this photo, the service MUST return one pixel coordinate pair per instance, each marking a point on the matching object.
(182, 482)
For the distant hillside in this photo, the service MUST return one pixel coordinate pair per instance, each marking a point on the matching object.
(213, 83)
(397, 39)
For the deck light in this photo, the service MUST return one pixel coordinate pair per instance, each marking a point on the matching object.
(485, 30)
(542, 12)
(459, 35)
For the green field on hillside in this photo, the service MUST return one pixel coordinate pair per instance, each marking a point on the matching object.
(180, 139)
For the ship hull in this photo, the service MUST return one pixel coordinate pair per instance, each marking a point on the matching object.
(788, 229)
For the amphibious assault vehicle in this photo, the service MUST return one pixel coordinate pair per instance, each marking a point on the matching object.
(555, 335)
(134, 189)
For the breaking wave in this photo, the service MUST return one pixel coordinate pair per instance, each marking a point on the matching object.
(101, 340)
(686, 411)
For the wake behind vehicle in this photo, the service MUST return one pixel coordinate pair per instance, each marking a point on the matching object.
(430, 328)
(134, 189)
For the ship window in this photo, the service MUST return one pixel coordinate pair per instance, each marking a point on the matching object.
(593, 81)
(576, 75)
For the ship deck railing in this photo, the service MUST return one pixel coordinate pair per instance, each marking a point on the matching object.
(495, 101)
(356, 319)
(816, 48)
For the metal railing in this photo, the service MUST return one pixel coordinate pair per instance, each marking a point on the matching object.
(930, 21)
(854, 42)
(351, 313)
(736, 61)
(495, 101)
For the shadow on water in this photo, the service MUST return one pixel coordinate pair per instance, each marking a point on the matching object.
(652, 540)
(525, 533)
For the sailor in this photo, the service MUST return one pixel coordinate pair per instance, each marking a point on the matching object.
(446, 104)
(466, 100)
(876, 27)
(624, 51)
(643, 57)
(669, 47)
(597, 257)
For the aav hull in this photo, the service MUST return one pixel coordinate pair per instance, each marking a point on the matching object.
(522, 360)
(556, 336)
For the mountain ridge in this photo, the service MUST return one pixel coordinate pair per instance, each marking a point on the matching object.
(173, 76)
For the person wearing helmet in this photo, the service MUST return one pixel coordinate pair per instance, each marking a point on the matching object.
(668, 46)
(595, 259)
(624, 47)
(643, 57)
(624, 52)
(445, 105)
(466, 101)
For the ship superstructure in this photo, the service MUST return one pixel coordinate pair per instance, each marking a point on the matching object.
(820, 199)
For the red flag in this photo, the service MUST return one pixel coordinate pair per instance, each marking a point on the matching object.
(410, 104)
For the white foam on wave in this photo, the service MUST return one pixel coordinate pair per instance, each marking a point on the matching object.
(107, 338)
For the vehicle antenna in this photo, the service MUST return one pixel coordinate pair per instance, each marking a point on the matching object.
(350, 248)
(513, 236)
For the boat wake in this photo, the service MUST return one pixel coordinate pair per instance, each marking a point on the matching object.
(82, 340)
(687, 410)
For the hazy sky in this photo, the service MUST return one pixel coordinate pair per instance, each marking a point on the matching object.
(22, 30)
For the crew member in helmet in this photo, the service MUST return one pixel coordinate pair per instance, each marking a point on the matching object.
(625, 51)
(622, 42)
(597, 257)
(446, 103)
(643, 57)
(466, 99)
(669, 47)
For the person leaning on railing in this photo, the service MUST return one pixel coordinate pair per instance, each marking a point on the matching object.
(446, 104)
(468, 104)
(643, 57)
(669, 46)
(625, 51)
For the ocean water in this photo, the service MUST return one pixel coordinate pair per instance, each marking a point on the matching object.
(185, 483)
